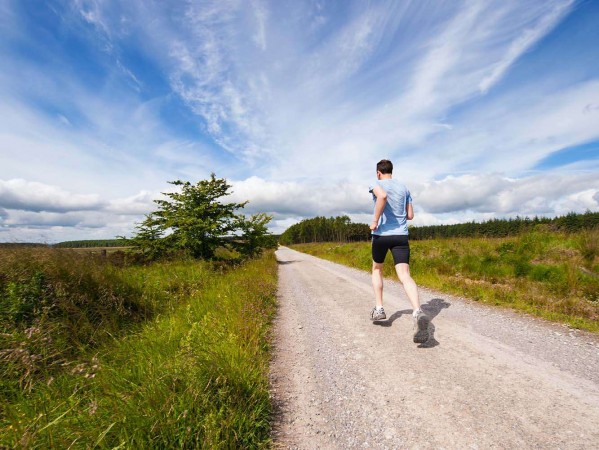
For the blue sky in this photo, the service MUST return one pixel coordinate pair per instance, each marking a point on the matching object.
(487, 108)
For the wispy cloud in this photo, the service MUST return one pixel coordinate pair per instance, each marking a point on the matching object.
(529, 36)
(206, 74)
(512, 133)
(295, 102)
(412, 95)
(261, 15)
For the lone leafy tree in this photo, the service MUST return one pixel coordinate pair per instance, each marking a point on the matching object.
(194, 220)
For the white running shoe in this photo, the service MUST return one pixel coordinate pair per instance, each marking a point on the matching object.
(378, 314)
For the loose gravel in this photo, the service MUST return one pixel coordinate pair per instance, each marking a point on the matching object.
(487, 377)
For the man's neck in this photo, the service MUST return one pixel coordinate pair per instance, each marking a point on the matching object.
(386, 176)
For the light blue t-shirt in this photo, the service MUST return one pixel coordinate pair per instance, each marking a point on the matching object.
(393, 221)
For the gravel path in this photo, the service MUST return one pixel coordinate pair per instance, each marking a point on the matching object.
(487, 378)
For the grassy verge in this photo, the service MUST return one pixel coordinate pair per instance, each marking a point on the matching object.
(181, 363)
(550, 275)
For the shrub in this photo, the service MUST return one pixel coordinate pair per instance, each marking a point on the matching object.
(196, 222)
(56, 303)
(588, 245)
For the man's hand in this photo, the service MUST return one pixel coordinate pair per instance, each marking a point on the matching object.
(374, 225)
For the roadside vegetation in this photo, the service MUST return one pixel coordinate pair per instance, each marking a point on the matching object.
(171, 354)
(194, 221)
(163, 345)
(551, 274)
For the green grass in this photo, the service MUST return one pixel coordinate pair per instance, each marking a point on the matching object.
(182, 363)
(550, 275)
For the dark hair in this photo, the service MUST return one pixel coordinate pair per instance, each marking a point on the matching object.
(384, 166)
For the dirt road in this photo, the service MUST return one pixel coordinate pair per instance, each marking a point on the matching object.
(487, 378)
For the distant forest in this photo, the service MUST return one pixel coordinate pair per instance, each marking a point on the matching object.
(341, 229)
(323, 229)
(93, 243)
(569, 223)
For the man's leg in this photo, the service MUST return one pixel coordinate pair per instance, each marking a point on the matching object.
(409, 285)
(379, 250)
(377, 283)
(421, 320)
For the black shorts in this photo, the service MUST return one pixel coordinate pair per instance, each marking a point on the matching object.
(399, 246)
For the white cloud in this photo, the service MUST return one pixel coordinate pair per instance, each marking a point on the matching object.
(136, 205)
(44, 219)
(279, 226)
(459, 193)
(286, 199)
(208, 73)
(547, 194)
(44, 213)
(450, 200)
(32, 196)
(463, 197)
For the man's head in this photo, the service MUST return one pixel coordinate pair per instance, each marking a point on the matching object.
(385, 167)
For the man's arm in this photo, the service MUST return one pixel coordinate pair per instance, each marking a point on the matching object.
(409, 211)
(379, 206)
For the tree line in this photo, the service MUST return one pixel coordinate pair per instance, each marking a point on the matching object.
(341, 229)
(569, 223)
(325, 229)
(93, 243)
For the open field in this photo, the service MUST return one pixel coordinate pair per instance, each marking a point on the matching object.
(550, 275)
(99, 249)
(173, 354)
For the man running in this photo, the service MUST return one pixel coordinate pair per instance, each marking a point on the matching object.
(392, 210)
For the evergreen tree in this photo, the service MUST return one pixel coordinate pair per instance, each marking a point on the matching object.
(197, 222)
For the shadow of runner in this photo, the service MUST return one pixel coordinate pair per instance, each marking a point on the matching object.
(434, 306)
(286, 262)
(393, 317)
(432, 309)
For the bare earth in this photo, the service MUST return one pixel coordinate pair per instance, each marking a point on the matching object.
(487, 378)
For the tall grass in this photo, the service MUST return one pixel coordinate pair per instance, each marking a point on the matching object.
(551, 275)
(182, 364)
